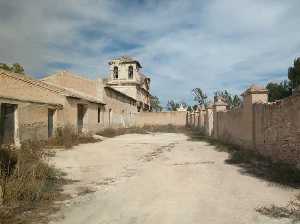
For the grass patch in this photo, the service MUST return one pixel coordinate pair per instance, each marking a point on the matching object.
(67, 137)
(165, 128)
(111, 132)
(275, 211)
(291, 210)
(27, 182)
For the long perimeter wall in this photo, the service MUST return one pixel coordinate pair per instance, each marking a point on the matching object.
(176, 118)
(271, 129)
(276, 129)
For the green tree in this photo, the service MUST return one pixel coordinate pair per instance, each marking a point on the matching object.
(236, 101)
(155, 104)
(172, 105)
(279, 91)
(200, 96)
(4, 67)
(231, 100)
(16, 68)
(294, 74)
(195, 107)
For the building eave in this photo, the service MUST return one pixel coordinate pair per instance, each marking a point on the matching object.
(121, 93)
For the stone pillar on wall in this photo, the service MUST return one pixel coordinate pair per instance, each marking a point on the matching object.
(208, 121)
(219, 106)
(253, 95)
(192, 119)
(188, 119)
(202, 113)
(197, 119)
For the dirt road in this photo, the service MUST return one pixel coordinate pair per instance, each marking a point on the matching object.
(161, 179)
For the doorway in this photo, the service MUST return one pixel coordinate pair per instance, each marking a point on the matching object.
(81, 111)
(7, 123)
(50, 122)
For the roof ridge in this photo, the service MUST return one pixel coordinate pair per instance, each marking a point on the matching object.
(75, 93)
(69, 73)
(32, 81)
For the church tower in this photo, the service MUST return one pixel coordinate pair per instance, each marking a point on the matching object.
(125, 75)
(124, 69)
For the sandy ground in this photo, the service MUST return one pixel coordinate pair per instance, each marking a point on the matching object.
(161, 179)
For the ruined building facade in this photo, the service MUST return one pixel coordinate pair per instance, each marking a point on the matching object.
(34, 109)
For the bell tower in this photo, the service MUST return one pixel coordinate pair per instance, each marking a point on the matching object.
(124, 69)
(125, 75)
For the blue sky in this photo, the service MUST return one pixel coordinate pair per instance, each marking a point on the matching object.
(213, 44)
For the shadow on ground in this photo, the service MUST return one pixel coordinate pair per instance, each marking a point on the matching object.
(254, 164)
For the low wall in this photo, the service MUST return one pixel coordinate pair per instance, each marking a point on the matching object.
(176, 118)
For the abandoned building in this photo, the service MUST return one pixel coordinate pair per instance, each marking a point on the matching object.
(34, 109)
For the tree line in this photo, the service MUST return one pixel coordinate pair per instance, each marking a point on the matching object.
(200, 98)
(285, 88)
(276, 91)
(16, 68)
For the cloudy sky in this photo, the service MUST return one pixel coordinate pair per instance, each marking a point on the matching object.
(212, 44)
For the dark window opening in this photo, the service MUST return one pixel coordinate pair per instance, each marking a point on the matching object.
(99, 113)
(81, 111)
(130, 72)
(50, 122)
(7, 123)
(116, 72)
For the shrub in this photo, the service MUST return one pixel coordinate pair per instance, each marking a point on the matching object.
(64, 137)
(291, 210)
(68, 137)
(25, 173)
(111, 132)
(164, 128)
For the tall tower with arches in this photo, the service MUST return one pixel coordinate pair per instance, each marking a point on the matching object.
(125, 75)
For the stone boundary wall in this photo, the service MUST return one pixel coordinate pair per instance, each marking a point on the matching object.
(234, 126)
(272, 129)
(176, 118)
(276, 129)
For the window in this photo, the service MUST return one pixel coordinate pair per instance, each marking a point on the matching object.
(99, 113)
(116, 72)
(130, 72)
